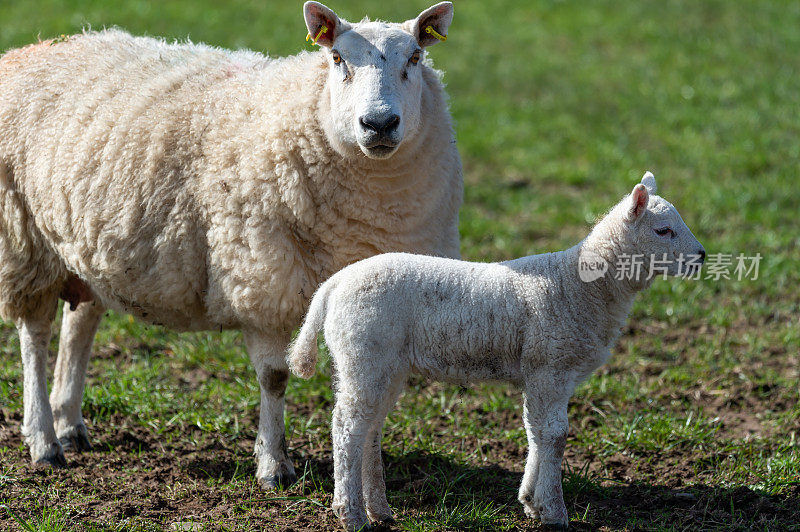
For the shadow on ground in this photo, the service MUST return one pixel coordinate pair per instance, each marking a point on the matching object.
(430, 483)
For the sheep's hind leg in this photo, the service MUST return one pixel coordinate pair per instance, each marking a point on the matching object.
(78, 328)
(350, 428)
(37, 427)
(374, 485)
(267, 353)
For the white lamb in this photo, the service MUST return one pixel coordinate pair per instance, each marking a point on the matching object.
(201, 188)
(543, 322)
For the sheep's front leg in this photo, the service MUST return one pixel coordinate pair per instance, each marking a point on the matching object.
(37, 427)
(546, 415)
(267, 353)
(78, 328)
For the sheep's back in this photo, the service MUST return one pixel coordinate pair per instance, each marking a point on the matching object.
(195, 187)
(98, 135)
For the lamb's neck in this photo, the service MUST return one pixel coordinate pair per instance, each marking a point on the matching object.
(615, 291)
(607, 298)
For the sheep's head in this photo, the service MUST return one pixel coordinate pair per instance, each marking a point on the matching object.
(658, 233)
(375, 79)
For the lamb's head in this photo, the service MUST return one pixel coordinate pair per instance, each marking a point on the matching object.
(656, 232)
(375, 80)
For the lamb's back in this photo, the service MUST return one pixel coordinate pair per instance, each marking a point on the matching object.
(455, 320)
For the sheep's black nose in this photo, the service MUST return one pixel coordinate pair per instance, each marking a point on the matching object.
(702, 254)
(383, 125)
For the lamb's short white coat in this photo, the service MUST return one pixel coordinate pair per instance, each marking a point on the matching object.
(530, 321)
(200, 188)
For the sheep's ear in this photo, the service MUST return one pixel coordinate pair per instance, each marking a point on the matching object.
(437, 17)
(649, 181)
(638, 202)
(318, 15)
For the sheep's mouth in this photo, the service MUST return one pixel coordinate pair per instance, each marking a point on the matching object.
(379, 151)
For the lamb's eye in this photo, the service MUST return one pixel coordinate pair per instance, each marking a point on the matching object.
(664, 231)
(414, 57)
(336, 57)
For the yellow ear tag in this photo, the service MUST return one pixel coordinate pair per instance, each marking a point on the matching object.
(435, 33)
(323, 29)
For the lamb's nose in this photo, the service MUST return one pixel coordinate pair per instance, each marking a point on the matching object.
(383, 125)
(702, 254)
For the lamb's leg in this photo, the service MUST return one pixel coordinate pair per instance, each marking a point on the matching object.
(529, 479)
(546, 413)
(267, 353)
(350, 428)
(78, 328)
(372, 480)
(37, 427)
(374, 485)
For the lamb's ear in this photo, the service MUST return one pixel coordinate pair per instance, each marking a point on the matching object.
(649, 181)
(638, 202)
(318, 15)
(437, 18)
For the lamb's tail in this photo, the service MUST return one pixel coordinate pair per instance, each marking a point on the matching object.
(302, 357)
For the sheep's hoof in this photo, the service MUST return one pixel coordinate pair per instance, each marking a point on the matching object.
(76, 441)
(57, 461)
(282, 480)
(49, 455)
(556, 526)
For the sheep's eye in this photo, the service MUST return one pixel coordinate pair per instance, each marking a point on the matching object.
(664, 231)
(336, 57)
(414, 57)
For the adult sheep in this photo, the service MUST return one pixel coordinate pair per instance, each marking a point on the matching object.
(200, 188)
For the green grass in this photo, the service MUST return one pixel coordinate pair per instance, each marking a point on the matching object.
(560, 107)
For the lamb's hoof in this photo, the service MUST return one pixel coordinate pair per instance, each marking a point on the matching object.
(381, 516)
(281, 481)
(532, 512)
(554, 517)
(356, 525)
(57, 461)
(384, 523)
(77, 441)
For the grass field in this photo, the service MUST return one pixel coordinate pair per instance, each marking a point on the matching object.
(560, 107)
